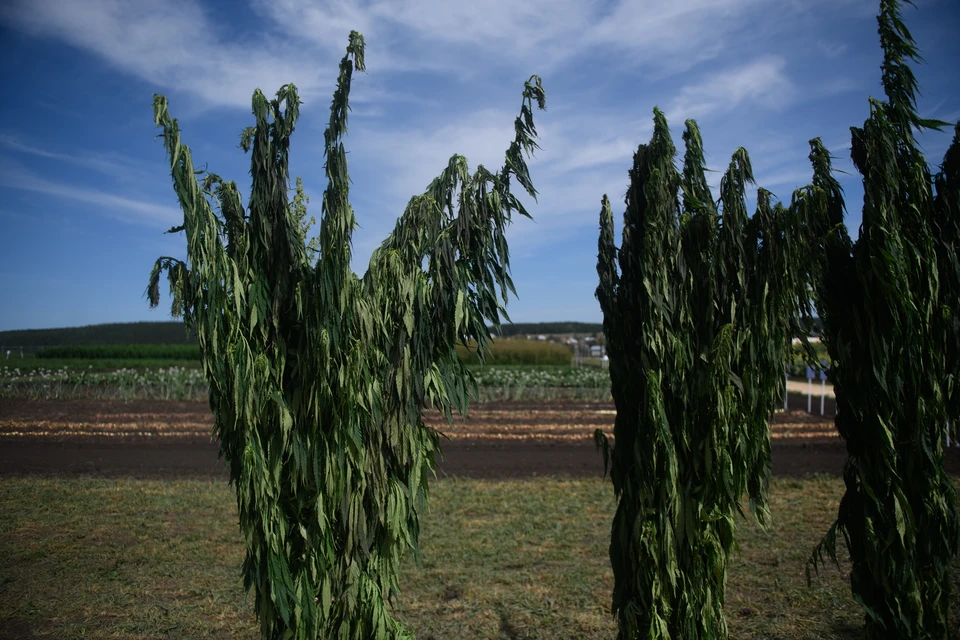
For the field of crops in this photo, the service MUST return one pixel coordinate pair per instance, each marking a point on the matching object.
(170, 383)
(178, 380)
(547, 382)
(542, 383)
(101, 357)
(122, 352)
(503, 352)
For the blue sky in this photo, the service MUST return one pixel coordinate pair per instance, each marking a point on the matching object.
(85, 192)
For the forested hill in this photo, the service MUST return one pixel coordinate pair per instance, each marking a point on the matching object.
(100, 334)
(174, 333)
(544, 328)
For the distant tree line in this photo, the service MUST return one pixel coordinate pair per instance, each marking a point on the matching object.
(101, 334)
(544, 328)
(125, 333)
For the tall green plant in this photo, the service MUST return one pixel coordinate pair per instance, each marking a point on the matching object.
(318, 377)
(947, 232)
(888, 303)
(699, 306)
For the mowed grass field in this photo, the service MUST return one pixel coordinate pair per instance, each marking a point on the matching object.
(99, 558)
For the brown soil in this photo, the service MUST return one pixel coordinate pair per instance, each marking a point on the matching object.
(162, 439)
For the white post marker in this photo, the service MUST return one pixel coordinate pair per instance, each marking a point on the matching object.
(810, 375)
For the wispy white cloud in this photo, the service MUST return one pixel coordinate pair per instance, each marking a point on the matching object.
(441, 36)
(182, 45)
(413, 156)
(583, 138)
(586, 153)
(175, 44)
(119, 168)
(762, 82)
(115, 206)
(579, 161)
(438, 35)
(839, 146)
(947, 116)
(673, 35)
(832, 50)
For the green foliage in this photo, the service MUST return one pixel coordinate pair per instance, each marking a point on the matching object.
(887, 302)
(318, 377)
(510, 352)
(299, 209)
(806, 354)
(946, 209)
(699, 311)
(123, 352)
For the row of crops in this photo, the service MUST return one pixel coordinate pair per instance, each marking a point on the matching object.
(496, 383)
(504, 352)
(122, 352)
(544, 382)
(167, 383)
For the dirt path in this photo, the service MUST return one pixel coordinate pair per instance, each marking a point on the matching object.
(153, 439)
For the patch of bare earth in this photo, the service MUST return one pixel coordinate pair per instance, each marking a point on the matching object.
(170, 439)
